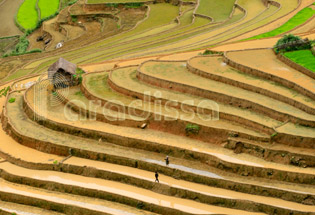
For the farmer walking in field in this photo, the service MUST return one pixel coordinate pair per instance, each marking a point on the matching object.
(157, 177)
(167, 161)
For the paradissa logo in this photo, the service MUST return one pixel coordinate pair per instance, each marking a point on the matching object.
(148, 108)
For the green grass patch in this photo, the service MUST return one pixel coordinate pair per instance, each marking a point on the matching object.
(48, 7)
(11, 100)
(218, 10)
(27, 16)
(192, 129)
(303, 57)
(300, 18)
(4, 91)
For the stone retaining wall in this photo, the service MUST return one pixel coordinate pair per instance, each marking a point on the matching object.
(238, 102)
(82, 191)
(171, 125)
(227, 116)
(160, 188)
(278, 156)
(210, 160)
(46, 204)
(267, 76)
(252, 88)
(296, 66)
(221, 183)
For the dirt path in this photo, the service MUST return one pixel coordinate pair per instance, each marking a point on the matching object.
(8, 9)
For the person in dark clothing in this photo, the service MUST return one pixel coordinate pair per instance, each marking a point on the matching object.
(167, 161)
(157, 177)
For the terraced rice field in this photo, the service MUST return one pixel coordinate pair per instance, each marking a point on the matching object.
(8, 10)
(303, 57)
(237, 125)
(300, 18)
(27, 15)
(48, 8)
(217, 10)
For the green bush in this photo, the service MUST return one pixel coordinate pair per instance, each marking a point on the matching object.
(192, 129)
(209, 52)
(115, 5)
(274, 134)
(74, 18)
(11, 100)
(78, 75)
(133, 5)
(290, 38)
(4, 91)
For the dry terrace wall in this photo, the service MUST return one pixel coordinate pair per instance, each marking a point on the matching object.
(245, 86)
(221, 183)
(229, 203)
(253, 125)
(175, 126)
(264, 75)
(296, 66)
(63, 150)
(238, 102)
(279, 156)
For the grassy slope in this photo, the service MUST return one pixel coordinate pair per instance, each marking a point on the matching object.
(27, 15)
(48, 7)
(303, 57)
(300, 18)
(218, 10)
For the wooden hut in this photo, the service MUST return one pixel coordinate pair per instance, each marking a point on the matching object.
(61, 73)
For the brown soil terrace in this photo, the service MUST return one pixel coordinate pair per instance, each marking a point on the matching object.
(95, 154)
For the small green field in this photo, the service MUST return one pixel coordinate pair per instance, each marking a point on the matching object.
(300, 18)
(303, 57)
(218, 10)
(113, 1)
(27, 16)
(48, 7)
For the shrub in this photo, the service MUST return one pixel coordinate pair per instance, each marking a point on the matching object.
(192, 129)
(293, 43)
(78, 75)
(115, 5)
(4, 91)
(133, 5)
(209, 52)
(274, 134)
(11, 100)
(74, 18)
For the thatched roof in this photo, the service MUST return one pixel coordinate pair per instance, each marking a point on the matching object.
(63, 64)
